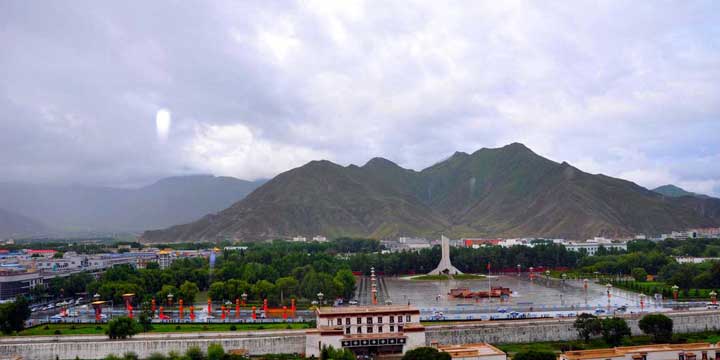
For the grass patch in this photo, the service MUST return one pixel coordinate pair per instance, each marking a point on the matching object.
(93, 329)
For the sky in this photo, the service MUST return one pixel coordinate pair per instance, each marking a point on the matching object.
(124, 93)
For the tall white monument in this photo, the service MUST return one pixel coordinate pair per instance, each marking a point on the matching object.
(445, 266)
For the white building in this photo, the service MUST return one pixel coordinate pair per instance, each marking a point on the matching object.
(319, 238)
(591, 246)
(299, 239)
(366, 330)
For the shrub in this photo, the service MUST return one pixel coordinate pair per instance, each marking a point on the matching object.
(587, 325)
(177, 327)
(215, 352)
(658, 326)
(614, 330)
(233, 327)
(194, 353)
(57, 332)
(426, 353)
(122, 328)
(46, 327)
(534, 355)
(157, 356)
(130, 356)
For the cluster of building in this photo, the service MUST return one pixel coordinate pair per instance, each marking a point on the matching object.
(22, 270)
(591, 246)
(316, 238)
(395, 329)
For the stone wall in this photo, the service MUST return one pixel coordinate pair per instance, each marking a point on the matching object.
(293, 341)
(97, 347)
(499, 332)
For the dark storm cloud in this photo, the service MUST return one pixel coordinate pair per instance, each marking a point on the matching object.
(255, 88)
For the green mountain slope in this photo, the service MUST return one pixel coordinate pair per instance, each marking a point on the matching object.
(508, 191)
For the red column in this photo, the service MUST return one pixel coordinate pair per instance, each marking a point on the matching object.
(292, 306)
(254, 315)
(222, 314)
(130, 311)
(265, 307)
(192, 313)
(285, 315)
(209, 308)
(161, 315)
(237, 308)
(180, 309)
(153, 308)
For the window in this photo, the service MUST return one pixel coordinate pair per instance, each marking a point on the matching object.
(347, 321)
(407, 318)
(400, 328)
(380, 328)
(379, 319)
(359, 330)
(399, 318)
(347, 331)
(339, 321)
(369, 320)
(681, 356)
(369, 329)
(392, 328)
(392, 319)
(359, 320)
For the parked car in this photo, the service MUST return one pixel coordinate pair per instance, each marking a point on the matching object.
(711, 306)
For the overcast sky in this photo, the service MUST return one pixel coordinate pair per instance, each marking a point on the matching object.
(125, 92)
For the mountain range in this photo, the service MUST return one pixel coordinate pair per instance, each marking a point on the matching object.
(504, 192)
(83, 209)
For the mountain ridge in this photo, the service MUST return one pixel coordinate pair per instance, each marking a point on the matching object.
(509, 191)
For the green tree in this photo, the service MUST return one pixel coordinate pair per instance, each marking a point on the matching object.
(287, 287)
(426, 353)
(614, 330)
(215, 352)
(14, 314)
(330, 353)
(263, 289)
(194, 353)
(217, 290)
(345, 282)
(658, 326)
(639, 274)
(587, 325)
(122, 328)
(534, 355)
(188, 292)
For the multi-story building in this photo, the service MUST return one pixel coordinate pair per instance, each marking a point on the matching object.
(593, 245)
(694, 351)
(366, 330)
(17, 280)
(479, 351)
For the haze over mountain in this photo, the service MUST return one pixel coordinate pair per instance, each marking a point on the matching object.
(508, 191)
(15, 225)
(83, 209)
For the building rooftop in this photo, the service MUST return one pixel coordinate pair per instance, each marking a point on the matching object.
(621, 351)
(470, 350)
(363, 310)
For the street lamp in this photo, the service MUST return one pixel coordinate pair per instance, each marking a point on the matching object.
(169, 299)
(713, 297)
(585, 284)
(564, 277)
(244, 297)
(675, 290)
(320, 296)
(609, 293)
(519, 267)
(642, 302)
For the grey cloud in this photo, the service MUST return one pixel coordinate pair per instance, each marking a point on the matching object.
(627, 89)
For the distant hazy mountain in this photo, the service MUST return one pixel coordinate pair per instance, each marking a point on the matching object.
(96, 209)
(675, 191)
(15, 225)
(509, 191)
